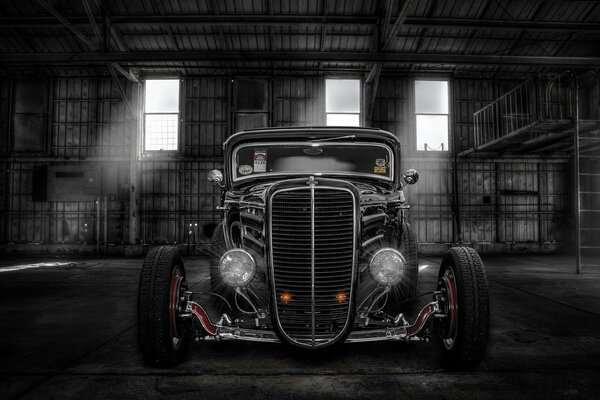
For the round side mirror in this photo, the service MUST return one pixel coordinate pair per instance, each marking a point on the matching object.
(411, 176)
(216, 177)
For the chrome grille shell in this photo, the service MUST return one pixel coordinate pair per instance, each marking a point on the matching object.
(313, 230)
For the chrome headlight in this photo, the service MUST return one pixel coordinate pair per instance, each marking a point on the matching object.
(387, 266)
(237, 267)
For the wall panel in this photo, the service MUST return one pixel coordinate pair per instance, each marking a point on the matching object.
(176, 194)
(298, 102)
(4, 115)
(392, 110)
(4, 118)
(469, 96)
(89, 118)
(206, 115)
(57, 222)
(431, 211)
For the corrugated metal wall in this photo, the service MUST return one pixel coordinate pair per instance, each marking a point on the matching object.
(89, 127)
(298, 102)
(4, 113)
(176, 198)
(496, 201)
(89, 118)
(206, 116)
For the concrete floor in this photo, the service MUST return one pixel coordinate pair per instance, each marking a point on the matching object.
(68, 331)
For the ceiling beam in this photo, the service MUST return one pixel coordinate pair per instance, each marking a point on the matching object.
(78, 34)
(304, 20)
(500, 24)
(116, 35)
(373, 74)
(205, 20)
(323, 28)
(122, 91)
(90, 58)
(372, 84)
(93, 24)
(112, 65)
(432, 6)
(386, 17)
(167, 27)
(392, 33)
(127, 74)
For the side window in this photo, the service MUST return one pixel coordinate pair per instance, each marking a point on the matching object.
(161, 114)
(431, 109)
(342, 102)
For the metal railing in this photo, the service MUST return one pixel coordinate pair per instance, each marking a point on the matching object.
(511, 112)
(547, 98)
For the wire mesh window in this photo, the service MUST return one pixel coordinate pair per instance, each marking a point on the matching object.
(342, 102)
(431, 109)
(161, 116)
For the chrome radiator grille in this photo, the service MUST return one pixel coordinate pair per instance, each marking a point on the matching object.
(312, 277)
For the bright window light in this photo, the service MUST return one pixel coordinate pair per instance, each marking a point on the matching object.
(343, 120)
(342, 102)
(432, 131)
(161, 116)
(431, 108)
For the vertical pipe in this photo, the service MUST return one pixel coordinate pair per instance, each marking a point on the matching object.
(455, 208)
(134, 168)
(575, 93)
(497, 202)
(312, 260)
(98, 225)
(105, 224)
(541, 218)
(509, 113)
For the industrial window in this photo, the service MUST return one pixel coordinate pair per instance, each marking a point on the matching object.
(161, 114)
(342, 102)
(431, 109)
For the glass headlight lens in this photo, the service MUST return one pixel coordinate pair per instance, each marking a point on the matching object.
(237, 267)
(387, 266)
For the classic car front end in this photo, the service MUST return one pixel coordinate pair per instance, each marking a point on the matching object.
(314, 249)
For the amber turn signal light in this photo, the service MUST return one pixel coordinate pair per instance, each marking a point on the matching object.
(341, 297)
(285, 297)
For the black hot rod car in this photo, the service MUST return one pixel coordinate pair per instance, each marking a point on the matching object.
(314, 249)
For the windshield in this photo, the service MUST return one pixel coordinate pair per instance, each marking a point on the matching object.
(323, 158)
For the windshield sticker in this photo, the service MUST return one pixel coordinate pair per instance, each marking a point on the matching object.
(380, 162)
(245, 169)
(379, 170)
(260, 160)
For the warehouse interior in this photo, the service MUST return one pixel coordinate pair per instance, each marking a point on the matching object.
(496, 103)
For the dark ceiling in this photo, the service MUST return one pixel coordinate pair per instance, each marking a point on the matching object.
(489, 38)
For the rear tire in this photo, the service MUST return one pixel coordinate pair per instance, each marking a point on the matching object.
(464, 333)
(162, 333)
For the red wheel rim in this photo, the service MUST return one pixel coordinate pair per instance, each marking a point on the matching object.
(448, 285)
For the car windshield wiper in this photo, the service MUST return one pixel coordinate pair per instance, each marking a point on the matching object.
(335, 138)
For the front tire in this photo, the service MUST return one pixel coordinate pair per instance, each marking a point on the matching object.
(162, 332)
(464, 333)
